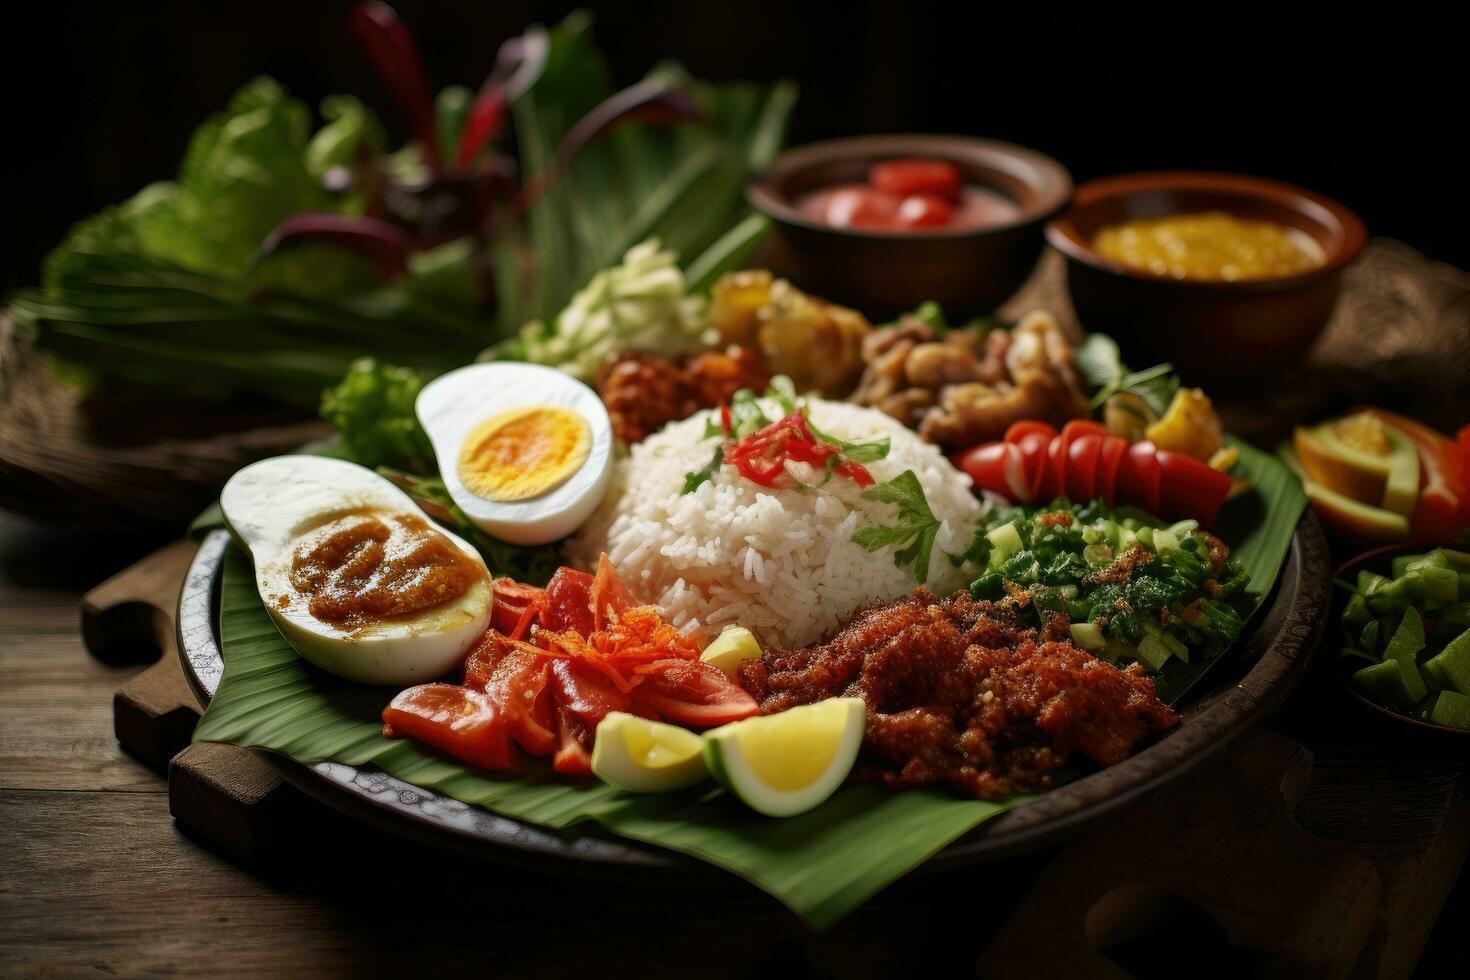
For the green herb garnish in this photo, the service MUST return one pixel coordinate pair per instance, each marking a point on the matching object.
(912, 536)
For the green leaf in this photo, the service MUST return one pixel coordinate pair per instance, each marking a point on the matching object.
(822, 864)
(915, 528)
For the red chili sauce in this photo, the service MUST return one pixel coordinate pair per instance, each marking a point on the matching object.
(909, 195)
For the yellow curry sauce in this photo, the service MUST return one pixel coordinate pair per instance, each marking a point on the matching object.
(1210, 245)
(368, 566)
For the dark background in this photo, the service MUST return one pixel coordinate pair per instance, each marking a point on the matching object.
(1367, 109)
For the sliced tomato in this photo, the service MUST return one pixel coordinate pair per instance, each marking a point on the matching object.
(998, 467)
(609, 595)
(1444, 487)
(861, 207)
(585, 692)
(1033, 463)
(1051, 482)
(1189, 488)
(464, 723)
(1019, 431)
(568, 602)
(1114, 449)
(518, 686)
(1082, 456)
(902, 178)
(693, 694)
(923, 211)
(480, 663)
(573, 739)
(1138, 477)
(514, 605)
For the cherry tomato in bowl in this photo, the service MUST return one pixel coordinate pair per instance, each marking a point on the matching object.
(904, 178)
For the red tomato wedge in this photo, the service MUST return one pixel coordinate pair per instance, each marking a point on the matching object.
(515, 606)
(586, 693)
(1109, 459)
(1138, 477)
(572, 757)
(568, 602)
(518, 686)
(692, 694)
(923, 211)
(1082, 458)
(902, 178)
(997, 467)
(464, 723)
(1189, 488)
(1444, 485)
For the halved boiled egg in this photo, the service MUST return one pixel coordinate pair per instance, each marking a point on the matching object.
(357, 579)
(524, 450)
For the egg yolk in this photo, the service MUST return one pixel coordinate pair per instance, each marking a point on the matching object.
(524, 452)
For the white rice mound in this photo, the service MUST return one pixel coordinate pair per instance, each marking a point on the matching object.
(779, 562)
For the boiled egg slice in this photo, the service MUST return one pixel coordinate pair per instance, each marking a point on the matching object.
(357, 579)
(525, 451)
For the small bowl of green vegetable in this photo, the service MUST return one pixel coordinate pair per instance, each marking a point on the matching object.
(1402, 633)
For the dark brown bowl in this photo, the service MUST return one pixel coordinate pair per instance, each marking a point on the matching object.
(1385, 719)
(1213, 332)
(968, 271)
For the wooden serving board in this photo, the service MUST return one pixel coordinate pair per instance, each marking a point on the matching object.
(1330, 860)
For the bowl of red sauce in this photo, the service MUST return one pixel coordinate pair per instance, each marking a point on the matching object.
(884, 223)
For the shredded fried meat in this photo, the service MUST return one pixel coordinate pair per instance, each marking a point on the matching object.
(643, 392)
(958, 693)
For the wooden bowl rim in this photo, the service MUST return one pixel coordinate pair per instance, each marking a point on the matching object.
(1049, 182)
(1063, 232)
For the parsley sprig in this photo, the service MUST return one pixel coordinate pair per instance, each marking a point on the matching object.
(912, 535)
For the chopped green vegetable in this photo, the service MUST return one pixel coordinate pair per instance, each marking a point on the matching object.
(1384, 683)
(373, 410)
(912, 534)
(641, 304)
(1451, 709)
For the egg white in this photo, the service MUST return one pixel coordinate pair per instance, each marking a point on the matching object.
(452, 406)
(270, 505)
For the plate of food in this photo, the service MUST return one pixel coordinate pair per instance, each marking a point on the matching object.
(741, 577)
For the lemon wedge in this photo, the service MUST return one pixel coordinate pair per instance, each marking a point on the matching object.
(643, 756)
(730, 648)
(788, 763)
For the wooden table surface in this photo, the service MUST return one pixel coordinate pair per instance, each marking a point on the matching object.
(95, 879)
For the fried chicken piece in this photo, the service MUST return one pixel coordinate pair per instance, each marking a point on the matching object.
(644, 392)
(960, 389)
(957, 692)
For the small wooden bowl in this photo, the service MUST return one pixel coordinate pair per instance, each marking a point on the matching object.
(1213, 332)
(1385, 719)
(968, 271)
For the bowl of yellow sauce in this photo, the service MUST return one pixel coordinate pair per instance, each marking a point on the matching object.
(1227, 276)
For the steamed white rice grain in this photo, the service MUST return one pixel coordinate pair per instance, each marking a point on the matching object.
(779, 562)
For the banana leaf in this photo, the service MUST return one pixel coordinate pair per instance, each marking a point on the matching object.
(822, 864)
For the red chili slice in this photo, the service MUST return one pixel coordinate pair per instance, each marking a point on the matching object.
(1189, 488)
(1113, 451)
(1029, 427)
(1138, 477)
(1082, 455)
(998, 467)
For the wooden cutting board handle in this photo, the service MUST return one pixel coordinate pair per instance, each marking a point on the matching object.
(129, 619)
(1215, 880)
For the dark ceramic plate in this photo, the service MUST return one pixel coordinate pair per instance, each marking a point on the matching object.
(1238, 693)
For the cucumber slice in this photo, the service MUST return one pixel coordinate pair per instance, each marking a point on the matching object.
(1450, 668)
(1383, 683)
(1450, 708)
